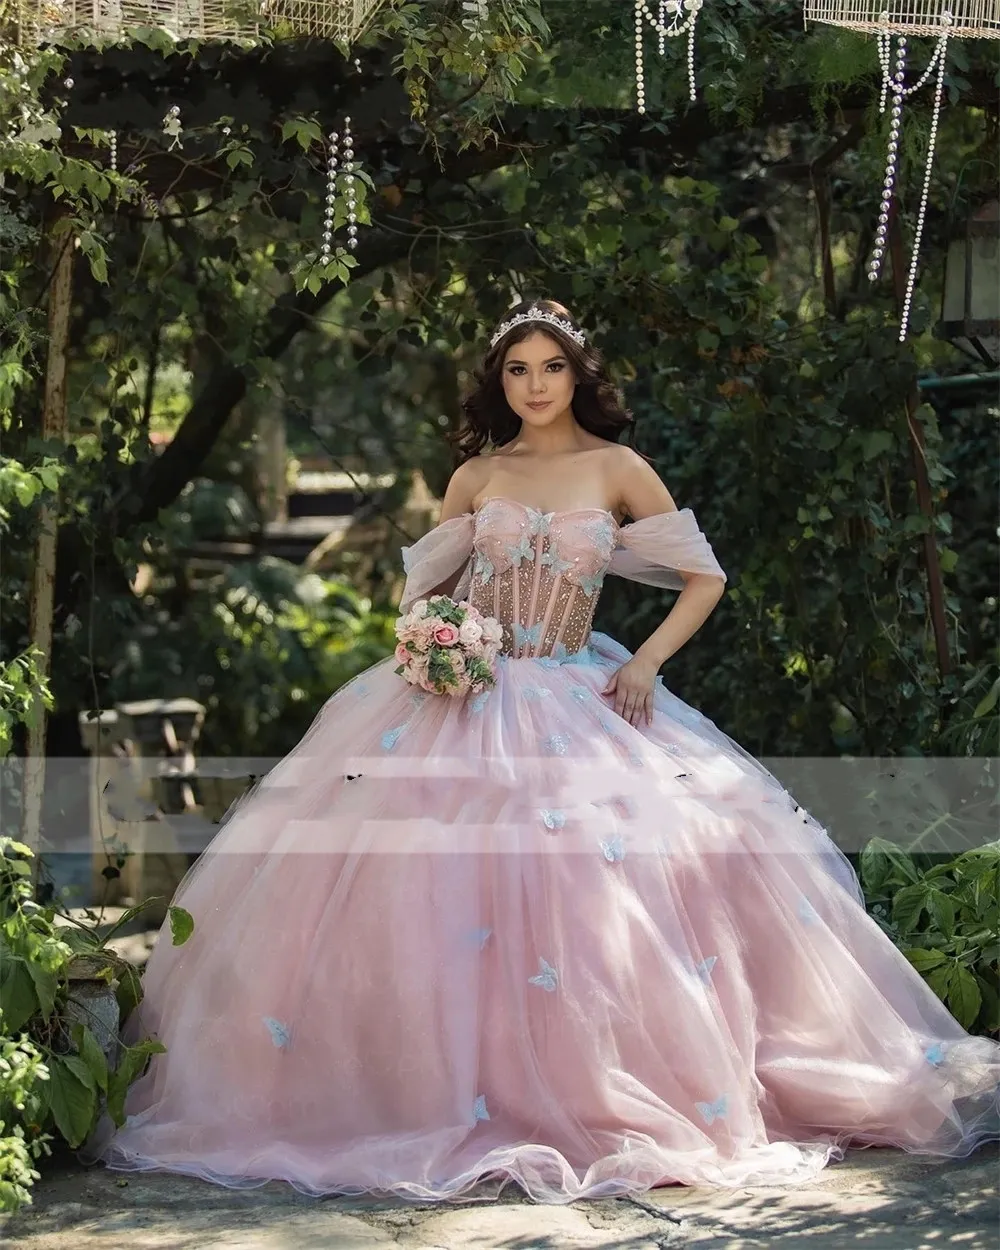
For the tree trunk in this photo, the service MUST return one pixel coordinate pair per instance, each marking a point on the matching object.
(44, 567)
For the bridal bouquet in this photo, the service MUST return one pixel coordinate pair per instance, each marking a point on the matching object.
(447, 647)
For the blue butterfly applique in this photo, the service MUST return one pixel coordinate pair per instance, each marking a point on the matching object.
(540, 522)
(712, 1111)
(479, 1111)
(613, 849)
(391, 737)
(703, 969)
(522, 550)
(556, 744)
(557, 658)
(479, 702)
(555, 562)
(935, 1054)
(591, 583)
(484, 568)
(536, 692)
(580, 693)
(546, 978)
(807, 913)
(279, 1033)
(527, 635)
(553, 818)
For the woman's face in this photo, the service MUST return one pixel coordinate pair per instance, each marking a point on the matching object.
(538, 380)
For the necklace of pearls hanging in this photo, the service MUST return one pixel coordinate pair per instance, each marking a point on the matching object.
(673, 19)
(897, 20)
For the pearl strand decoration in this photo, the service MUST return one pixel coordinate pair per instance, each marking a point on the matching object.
(683, 17)
(113, 151)
(895, 83)
(911, 277)
(331, 197)
(352, 195)
(878, 250)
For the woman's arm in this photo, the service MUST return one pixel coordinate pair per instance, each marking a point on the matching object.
(463, 487)
(642, 494)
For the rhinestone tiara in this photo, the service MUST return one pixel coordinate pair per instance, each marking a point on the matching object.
(539, 314)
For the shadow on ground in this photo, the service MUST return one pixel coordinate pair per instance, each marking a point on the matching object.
(874, 1198)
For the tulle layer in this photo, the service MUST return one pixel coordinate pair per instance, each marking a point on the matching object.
(514, 938)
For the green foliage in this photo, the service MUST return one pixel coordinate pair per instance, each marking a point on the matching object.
(945, 917)
(54, 1074)
(22, 1070)
(260, 642)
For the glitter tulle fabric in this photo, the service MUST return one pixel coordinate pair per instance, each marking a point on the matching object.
(451, 943)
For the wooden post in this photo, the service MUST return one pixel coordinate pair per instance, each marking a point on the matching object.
(272, 459)
(40, 604)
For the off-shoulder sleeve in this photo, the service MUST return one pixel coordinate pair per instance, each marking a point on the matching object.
(435, 557)
(657, 549)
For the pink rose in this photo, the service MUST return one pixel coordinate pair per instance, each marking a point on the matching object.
(445, 635)
(402, 655)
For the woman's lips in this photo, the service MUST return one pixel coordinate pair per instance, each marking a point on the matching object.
(542, 403)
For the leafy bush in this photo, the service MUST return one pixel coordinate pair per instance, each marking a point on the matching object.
(55, 1073)
(945, 918)
(261, 643)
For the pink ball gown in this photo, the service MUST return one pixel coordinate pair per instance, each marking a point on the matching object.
(512, 938)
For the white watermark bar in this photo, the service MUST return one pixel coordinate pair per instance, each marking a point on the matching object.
(390, 802)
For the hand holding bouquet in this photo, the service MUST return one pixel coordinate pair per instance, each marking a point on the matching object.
(447, 647)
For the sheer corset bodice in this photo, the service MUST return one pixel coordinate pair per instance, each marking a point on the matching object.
(540, 573)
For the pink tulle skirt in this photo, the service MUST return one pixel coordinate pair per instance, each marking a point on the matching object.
(448, 944)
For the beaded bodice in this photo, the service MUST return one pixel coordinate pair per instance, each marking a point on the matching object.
(540, 573)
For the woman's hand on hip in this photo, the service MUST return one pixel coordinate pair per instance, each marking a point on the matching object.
(632, 686)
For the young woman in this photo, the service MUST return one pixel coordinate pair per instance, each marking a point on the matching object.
(565, 932)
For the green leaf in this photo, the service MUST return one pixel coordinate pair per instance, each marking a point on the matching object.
(92, 1055)
(939, 979)
(964, 997)
(181, 925)
(942, 911)
(130, 1065)
(46, 983)
(72, 1097)
(924, 960)
(908, 905)
(18, 1000)
(876, 443)
(989, 701)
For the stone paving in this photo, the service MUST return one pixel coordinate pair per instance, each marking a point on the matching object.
(874, 1198)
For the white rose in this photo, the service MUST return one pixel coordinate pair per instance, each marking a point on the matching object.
(493, 631)
(419, 609)
(469, 632)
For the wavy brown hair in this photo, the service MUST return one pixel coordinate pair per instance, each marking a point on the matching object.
(489, 421)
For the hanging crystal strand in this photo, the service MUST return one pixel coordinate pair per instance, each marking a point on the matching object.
(352, 197)
(331, 197)
(878, 250)
(932, 142)
(640, 85)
